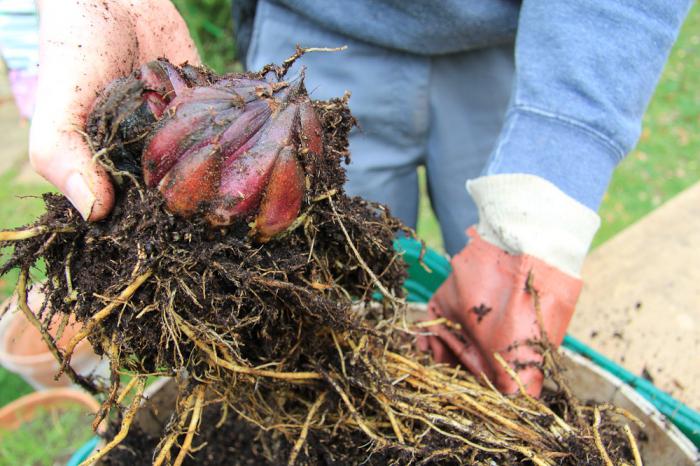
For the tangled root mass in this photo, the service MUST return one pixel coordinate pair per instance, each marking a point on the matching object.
(278, 340)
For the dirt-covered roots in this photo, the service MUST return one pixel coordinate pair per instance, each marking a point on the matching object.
(192, 407)
(22, 294)
(138, 384)
(422, 414)
(280, 335)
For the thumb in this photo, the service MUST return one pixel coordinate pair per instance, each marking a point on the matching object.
(60, 154)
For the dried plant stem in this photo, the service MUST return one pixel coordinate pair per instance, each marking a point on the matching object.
(140, 382)
(102, 314)
(169, 440)
(513, 375)
(357, 417)
(127, 389)
(48, 339)
(624, 413)
(359, 258)
(439, 321)
(424, 374)
(20, 235)
(300, 51)
(115, 383)
(532, 456)
(633, 446)
(596, 437)
(226, 364)
(194, 423)
(392, 418)
(305, 429)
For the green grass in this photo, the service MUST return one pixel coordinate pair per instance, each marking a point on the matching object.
(428, 227)
(665, 162)
(12, 387)
(19, 205)
(667, 158)
(211, 28)
(47, 440)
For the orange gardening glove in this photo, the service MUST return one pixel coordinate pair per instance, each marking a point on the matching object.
(530, 241)
(488, 295)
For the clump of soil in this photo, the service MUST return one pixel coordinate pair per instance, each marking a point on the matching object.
(279, 333)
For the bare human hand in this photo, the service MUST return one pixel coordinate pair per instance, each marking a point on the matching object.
(84, 45)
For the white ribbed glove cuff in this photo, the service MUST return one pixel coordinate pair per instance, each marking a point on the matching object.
(526, 214)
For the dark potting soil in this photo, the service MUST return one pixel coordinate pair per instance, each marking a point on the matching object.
(232, 444)
(235, 442)
(238, 443)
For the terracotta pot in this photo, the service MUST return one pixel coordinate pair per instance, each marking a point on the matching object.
(23, 351)
(13, 415)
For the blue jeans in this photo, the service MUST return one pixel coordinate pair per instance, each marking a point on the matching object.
(443, 112)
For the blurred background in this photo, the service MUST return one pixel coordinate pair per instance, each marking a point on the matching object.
(665, 162)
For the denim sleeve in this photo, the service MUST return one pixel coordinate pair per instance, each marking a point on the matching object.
(585, 71)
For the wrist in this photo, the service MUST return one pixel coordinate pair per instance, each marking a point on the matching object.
(526, 214)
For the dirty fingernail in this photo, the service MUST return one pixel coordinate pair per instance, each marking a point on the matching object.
(80, 195)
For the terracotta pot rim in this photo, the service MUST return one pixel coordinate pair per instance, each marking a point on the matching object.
(6, 324)
(47, 398)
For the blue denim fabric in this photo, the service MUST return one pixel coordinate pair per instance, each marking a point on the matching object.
(442, 112)
(429, 83)
(424, 27)
(585, 71)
